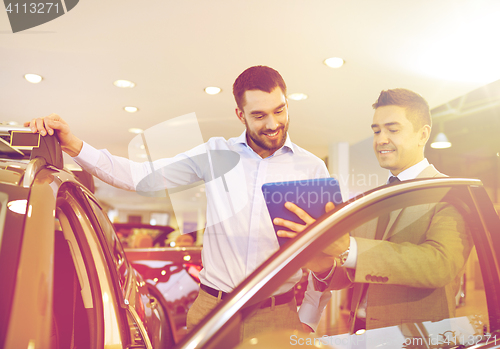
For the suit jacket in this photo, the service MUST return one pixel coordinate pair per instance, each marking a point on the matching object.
(413, 273)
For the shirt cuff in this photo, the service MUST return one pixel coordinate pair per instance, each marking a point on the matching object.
(352, 257)
(321, 283)
(313, 305)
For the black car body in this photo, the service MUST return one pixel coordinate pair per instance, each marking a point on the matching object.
(66, 282)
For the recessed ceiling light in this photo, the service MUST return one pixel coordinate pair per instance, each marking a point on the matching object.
(135, 130)
(124, 83)
(131, 109)
(212, 90)
(33, 78)
(334, 62)
(297, 96)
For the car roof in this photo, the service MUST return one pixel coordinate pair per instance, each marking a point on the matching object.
(19, 162)
(29, 145)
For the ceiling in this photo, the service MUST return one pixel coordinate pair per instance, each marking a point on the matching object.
(172, 50)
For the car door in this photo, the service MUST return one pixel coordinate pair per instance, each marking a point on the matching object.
(478, 321)
(27, 247)
(143, 309)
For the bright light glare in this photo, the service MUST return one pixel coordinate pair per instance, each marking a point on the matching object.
(135, 130)
(297, 96)
(334, 62)
(441, 141)
(131, 109)
(440, 145)
(212, 90)
(467, 54)
(18, 206)
(33, 78)
(124, 83)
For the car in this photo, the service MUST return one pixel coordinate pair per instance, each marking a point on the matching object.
(170, 273)
(66, 280)
(476, 323)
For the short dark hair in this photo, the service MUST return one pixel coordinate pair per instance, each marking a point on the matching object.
(416, 107)
(257, 78)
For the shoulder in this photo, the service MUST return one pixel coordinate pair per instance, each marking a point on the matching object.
(219, 142)
(308, 160)
(298, 151)
(430, 171)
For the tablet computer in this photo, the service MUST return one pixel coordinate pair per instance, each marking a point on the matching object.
(311, 195)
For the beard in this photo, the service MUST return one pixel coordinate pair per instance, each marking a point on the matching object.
(260, 139)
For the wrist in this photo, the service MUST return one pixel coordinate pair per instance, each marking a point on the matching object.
(74, 147)
(343, 256)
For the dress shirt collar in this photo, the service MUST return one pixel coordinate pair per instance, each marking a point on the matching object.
(411, 172)
(242, 139)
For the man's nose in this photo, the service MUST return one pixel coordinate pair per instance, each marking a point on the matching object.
(272, 122)
(381, 138)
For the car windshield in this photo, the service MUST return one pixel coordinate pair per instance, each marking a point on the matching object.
(418, 284)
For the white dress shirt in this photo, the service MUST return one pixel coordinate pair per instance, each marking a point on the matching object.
(239, 235)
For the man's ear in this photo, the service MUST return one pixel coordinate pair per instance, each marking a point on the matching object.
(240, 116)
(425, 133)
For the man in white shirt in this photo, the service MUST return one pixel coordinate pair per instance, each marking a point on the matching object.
(235, 242)
(410, 273)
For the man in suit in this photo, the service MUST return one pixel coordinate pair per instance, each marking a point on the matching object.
(405, 266)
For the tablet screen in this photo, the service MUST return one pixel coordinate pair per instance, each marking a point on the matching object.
(311, 195)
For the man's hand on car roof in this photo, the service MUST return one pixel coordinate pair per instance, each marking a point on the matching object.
(70, 144)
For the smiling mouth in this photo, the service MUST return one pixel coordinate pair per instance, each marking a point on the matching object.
(385, 151)
(272, 135)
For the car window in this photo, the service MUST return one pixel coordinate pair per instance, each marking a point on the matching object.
(86, 309)
(76, 292)
(113, 244)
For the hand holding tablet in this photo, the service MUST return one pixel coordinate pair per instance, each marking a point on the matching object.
(295, 205)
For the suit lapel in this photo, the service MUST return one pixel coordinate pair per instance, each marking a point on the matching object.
(394, 216)
(428, 172)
